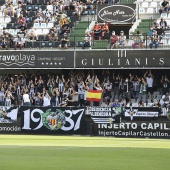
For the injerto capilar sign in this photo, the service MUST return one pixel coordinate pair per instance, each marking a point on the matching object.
(116, 13)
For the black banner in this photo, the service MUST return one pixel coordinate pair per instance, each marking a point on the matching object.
(105, 114)
(123, 59)
(36, 59)
(9, 121)
(142, 129)
(53, 120)
(116, 13)
(141, 113)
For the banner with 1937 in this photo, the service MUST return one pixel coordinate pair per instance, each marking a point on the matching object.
(53, 120)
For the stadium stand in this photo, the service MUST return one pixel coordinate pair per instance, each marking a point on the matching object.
(44, 16)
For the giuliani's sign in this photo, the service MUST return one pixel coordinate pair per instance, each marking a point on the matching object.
(116, 13)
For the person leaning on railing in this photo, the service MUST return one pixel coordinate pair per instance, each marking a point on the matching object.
(122, 39)
(138, 40)
(113, 40)
(18, 42)
(154, 39)
(64, 42)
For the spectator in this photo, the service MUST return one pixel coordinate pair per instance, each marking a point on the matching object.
(9, 10)
(141, 104)
(47, 16)
(8, 98)
(39, 19)
(20, 2)
(89, 5)
(18, 42)
(107, 91)
(21, 21)
(142, 90)
(105, 31)
(135, 87)
(87, 41)
(127, 88)
(154, 40)
(64, 42)
(155, 25)
(31, 34)
(46, 99)
(138, 40)
(65, 28)
(17, 11)
(2, 96)
(163, 25)
(22, 30)
(113, 40)
(149, 80)
(115, 83)
(164, 7)
(79, 9)
(52, 36)
(26, 99)
(3, 44)
(97, 31)
(7, 40)
(122, 39)
(116, 103)
(150, 31)
(165, 85)
(27, 2)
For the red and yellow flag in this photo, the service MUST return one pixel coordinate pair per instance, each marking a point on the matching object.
(94, 95)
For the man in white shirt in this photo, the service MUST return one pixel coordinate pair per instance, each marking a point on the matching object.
(26, 99)
(149, 81)
(46, 100)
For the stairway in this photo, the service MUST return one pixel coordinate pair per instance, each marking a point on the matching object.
(143, 26)
(78, 33)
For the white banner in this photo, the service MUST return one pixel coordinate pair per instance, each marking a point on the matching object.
(8, 114)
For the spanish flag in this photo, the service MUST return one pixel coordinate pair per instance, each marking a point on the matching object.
(94, 95)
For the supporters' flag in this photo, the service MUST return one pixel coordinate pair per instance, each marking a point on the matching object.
(94, 95)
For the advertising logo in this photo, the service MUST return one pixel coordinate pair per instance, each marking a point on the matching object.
(53, 120)
(116, 13)
(17, 60)
(105, 114)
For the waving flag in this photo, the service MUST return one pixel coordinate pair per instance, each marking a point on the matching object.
(94, 95)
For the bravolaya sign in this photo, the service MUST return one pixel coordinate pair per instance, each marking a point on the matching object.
(109, 59)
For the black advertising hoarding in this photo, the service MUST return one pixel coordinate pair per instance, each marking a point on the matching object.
(52, 120)
(92, 59)
(36, 59)
(116, 13)
(9, 121)
(123, 59)
(143, 129)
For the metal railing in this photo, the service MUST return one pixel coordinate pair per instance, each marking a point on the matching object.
(99, 42)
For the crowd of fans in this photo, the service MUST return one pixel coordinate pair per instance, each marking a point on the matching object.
(70, 90)
(59, 13)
